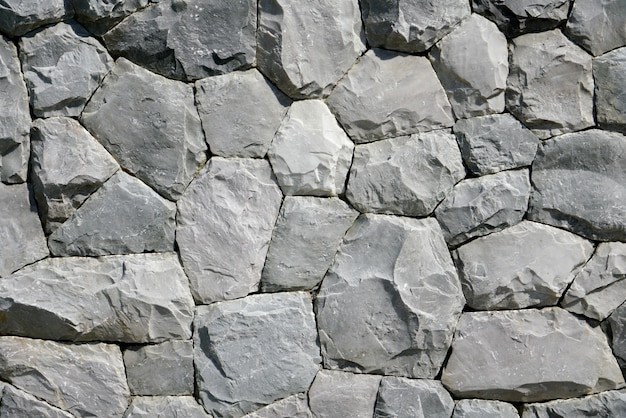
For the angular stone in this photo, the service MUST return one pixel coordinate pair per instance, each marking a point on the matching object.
(150, 125)
(20, 16)
(306, 237)
(17, 403)
(390, 302)
(83, 379)
(123, 217)
(240, 113)
(225, 220)
(341, 394)
(311, 154)
(550, 84)
(538, 357)
(371, 102)
(165, 406)
(598, 26)
(98, 16)
(405, 175)
(526, 265)
(616, 324)
(495, 143)
(474, 87)
(294, 406)
(479, 408)
(607, 404)
(63, 65)
(304, 48)
(402, 397)
(411, 26)
(272, 334)
(579, 183)
(609, 73)
(483, 205)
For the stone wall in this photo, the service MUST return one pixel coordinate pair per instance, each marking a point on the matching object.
(312, 208)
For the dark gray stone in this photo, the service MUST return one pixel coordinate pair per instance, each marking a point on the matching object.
(294, 406)
(17, 403)
(598, 26)
(609, 72)
(20, 16)
(402, 397)
(164, 407)
(341, 394)
(616, 324)
(98, 16)
(479, 408)
(607, 404)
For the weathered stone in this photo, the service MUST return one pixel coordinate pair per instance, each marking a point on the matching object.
(63, 65)
(483, 205)
(598, 26)
(607, 404)
(82, 379)
(526, 265)
(579, 184)
(273, 335)
(240, 113)
(306, 237)
(150, 125)
(494, 143)
(550, 84)
(294, 406)
(390, 302)
(165, 406)
(124, 216)
(405, 175)
(538, 356)
(402, 397)
(479, 408)
(20, 16)
(411, 26)
(609, 72)
(371, 101)
(311, 154)
(101, 15)
(341, 394)
(616, 324)
(225, 220)
(474, 87)
(17, 403)
(304, 48)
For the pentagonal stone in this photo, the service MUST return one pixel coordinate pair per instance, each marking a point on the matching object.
(479, 408)
(98, 16)
(609, 73)
(526, 265)
(607, 404)
(402, 397)
(411, 26)
(294, 406)
(150, 125)
(598, 26)
(406, 175)
(474, 87)
(550, 84)
(341, 394)
(537, 357)
(579, 184)
(225, 221)
(273, 335)
(306, 237)
(240, 113)
(311, 154)
(483, 205)
(17, 403)
(63, 65)
(20, 16)
(390, 302)
(165, 406)
(371, 101)
(123, 217)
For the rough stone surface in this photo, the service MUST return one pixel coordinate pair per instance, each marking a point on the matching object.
(20, 16)
(150, 125)
(550, 84)
(165, 407)
(341, 394)
(579, 183)
(371, 101)
(402, 397)
(294, 406)
(479, 408)
(272, 334)
(306, 237)
(538, 357)
(225, 221)
(609, 72)
(403, 268)
(526, 265)
(607, 404)
(598, 26)
(405, 175)
(616, 324)
(17, 403)
(98, 16)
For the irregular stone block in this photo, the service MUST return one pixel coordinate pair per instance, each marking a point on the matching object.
(165, 406)
(273, 335)
(98, 16)
(391, 300)
(17, 403)
(402, 397)
(609, 73)
(479, 408)
(341, 394)
(616, 325)
(20, 16)
(294, 406)
(588, 16)
(537, 357)
(224, 226)
(606, 404)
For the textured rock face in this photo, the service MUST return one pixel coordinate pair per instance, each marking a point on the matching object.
(609, 71)
(607, 404)
(165, 406)
(20, 16)
(341, 394)
(617, 326)
(589, 15)
(98, 16)
(294, 406)
(402, 397)
(478, 408)
(17, 403)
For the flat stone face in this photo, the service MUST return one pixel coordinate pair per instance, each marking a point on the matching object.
(579, 183)
(550, 84)
(20, 16)
(272, 334)
(150, 125)
(479, 408)
(410, 331)
(607, 404)
(341, 394)
(164, 406)
(98, 16)
(537, 357)
(371, 102)
(589, 15)
(17, 403)
(609, 73)
(402, 397)
(617, 326)
(526, 265)
(294, 406)
(225, 221)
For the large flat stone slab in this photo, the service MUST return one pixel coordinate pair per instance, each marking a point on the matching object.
(609, 73)
(588, 16)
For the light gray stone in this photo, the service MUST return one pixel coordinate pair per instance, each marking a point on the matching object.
(311, 154)
(240, 112)
(150, 125)
(480, 206)
(20, 16)
(550, 84)
(405, 175)
(273, 335)
(225, 220)
(124, 216)
(538, 356)
(607, 404)
(306, 237)
(341, 394)
(391, 300)
(579, 184)
(17, 403)
(598, 26)
(294, 406)
(479, 408)
(616, 325)
(165, 407)
(371, 101)
(526, 265)
(402, 397)
(609, 72)
(98, 16)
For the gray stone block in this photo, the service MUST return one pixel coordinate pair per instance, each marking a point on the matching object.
(402, 397)
(598, 26)
(609, 72)
(165, 407)
(342, 394)
(607, 404)
(479, 408)
(18, 17)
